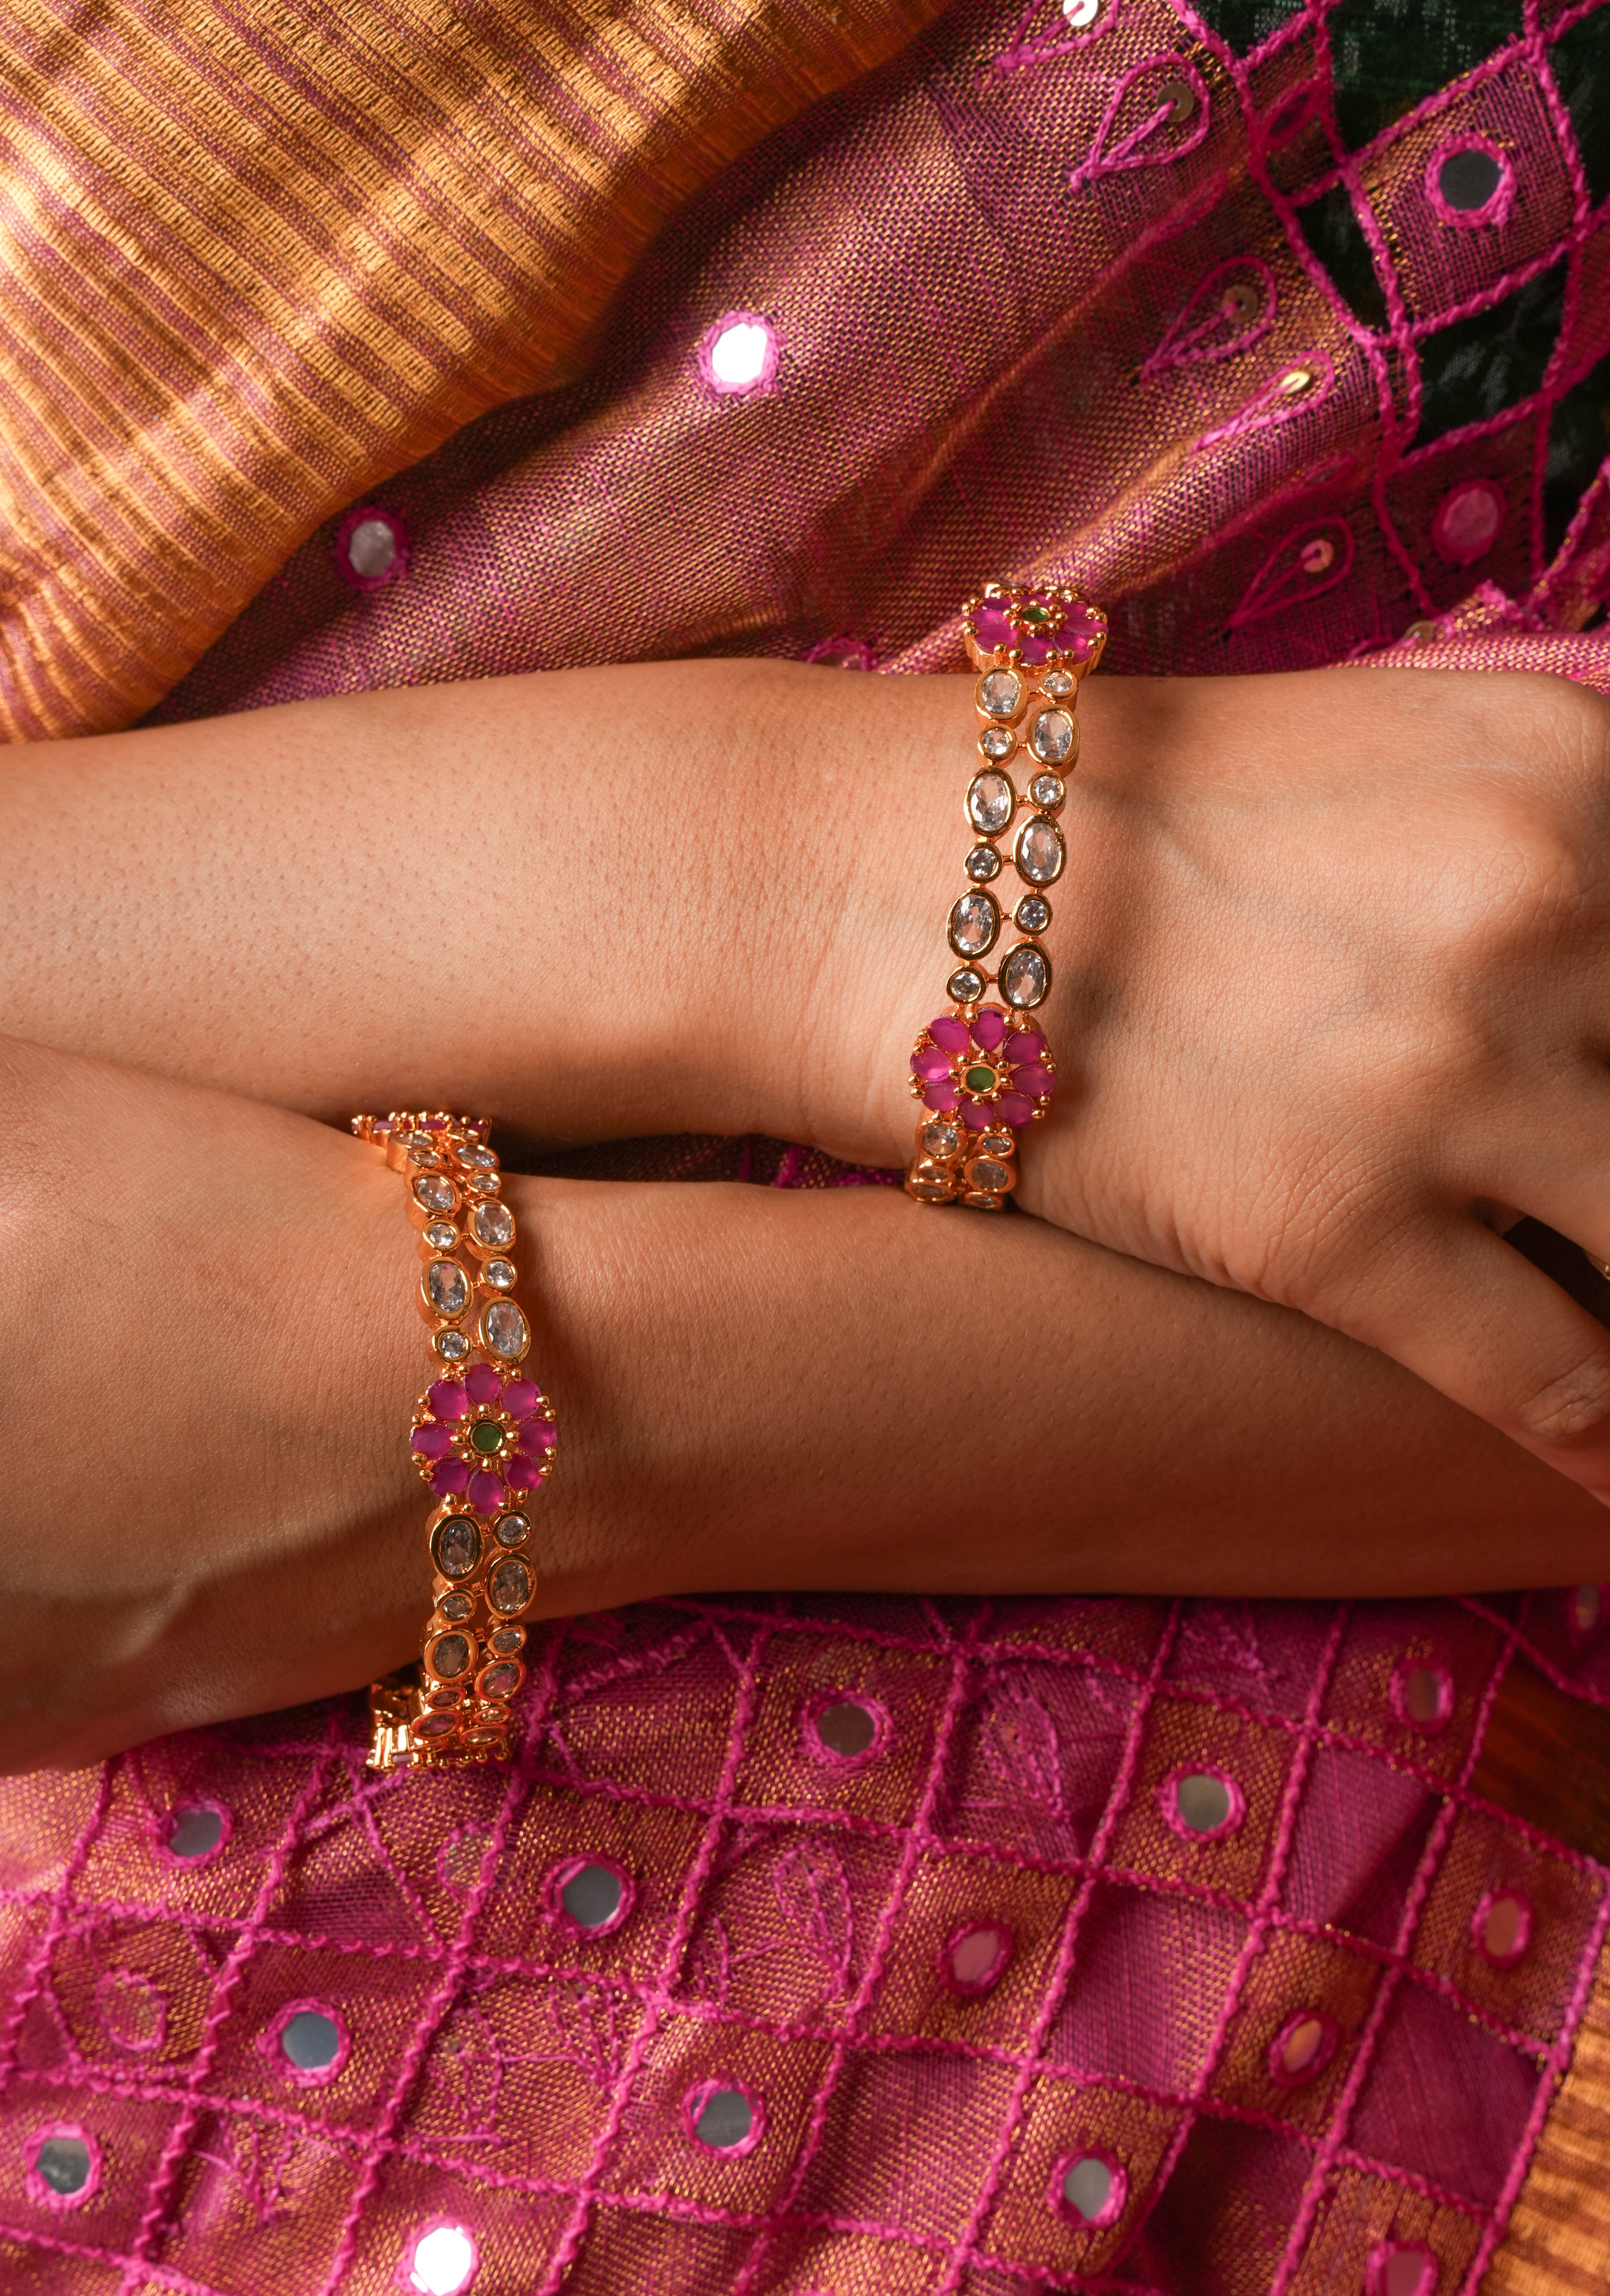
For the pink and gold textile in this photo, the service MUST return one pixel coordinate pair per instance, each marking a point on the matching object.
(822, 1947)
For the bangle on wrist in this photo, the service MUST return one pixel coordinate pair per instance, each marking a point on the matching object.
(484, 1441)
(983, 1070)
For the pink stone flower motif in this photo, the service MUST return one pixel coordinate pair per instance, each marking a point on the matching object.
(991, 1073)
(480, 1436)
(1074, 630)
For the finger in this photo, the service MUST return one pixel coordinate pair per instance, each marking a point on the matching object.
(1462, 1309)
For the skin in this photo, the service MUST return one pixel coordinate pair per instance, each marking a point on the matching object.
(1331, 956)
(753, 1389)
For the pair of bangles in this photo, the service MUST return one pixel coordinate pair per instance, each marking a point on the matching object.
(483, 1436)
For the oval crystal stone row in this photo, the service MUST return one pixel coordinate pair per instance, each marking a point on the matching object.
(1025, 977)
(991, 802)
(1040, 852)
(446, 1287)
(974, 923)
(503, 1329)
(509, 1585)
(1001, 694)
(1051, 736)
(455, 1545)
(435, 1192)
(493, 1225)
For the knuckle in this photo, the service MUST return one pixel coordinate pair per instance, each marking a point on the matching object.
(1573, 1409)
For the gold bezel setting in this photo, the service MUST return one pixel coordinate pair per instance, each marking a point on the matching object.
(483, 1437)
(1031, 646)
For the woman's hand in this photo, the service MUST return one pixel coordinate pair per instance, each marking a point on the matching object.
(1334, 960)
(209, 1355)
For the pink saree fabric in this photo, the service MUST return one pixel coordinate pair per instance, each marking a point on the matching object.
(1175, 1951)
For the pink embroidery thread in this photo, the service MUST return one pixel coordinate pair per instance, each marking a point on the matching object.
(1117, 2192)
(1494, 210)
(44, 2195)
(270, 2045)
(701, 2094)
(816, 1746)
(1137, 147)
(1168, 1799)
(561, 1876)
(993, 1970)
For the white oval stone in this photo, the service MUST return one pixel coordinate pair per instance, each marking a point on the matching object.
(942, 1139)
(1051, 736)
(505, 1330)
(1057, 683)
(509, 1585)
(986, 1173)
(435, 1192)
(992, 801)
(479, 1159)
(450, 1657)
(1025, 978)
(455, 1546)
(975, 923)
(447, 1287)
(1001, 694)
(1040, 852)
(493, 1226)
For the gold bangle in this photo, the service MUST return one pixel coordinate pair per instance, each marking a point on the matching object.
(484, 1440)
(982, 1071)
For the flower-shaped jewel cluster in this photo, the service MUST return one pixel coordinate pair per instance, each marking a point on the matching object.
(988, 1073)
(482, 1435)
(1035, 624)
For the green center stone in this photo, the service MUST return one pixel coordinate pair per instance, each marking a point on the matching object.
(487, 1436)
(980, 1079)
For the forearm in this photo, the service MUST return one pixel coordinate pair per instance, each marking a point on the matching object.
(598, 903)
(754, 1388)
(767, 1390)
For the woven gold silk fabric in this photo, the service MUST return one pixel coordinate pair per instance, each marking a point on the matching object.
(256, 255)
(1558, 2241)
